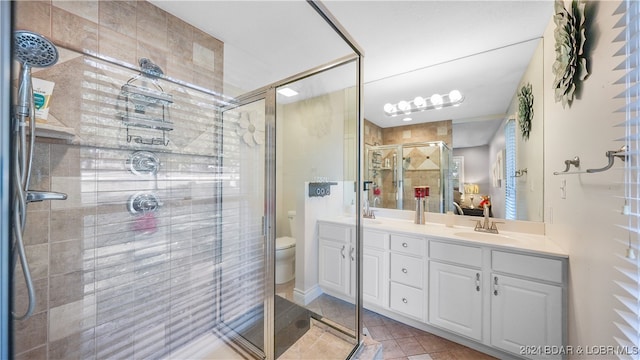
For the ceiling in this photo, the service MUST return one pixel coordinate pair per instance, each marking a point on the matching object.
(411, 48)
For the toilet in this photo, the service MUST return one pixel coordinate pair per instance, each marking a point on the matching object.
(286, 253)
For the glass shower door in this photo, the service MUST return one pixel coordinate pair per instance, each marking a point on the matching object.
(241, 265)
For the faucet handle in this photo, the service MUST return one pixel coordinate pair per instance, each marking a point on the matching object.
(494, 223)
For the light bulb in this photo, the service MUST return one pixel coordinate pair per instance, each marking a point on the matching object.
(436, 100)
(419, 102)
(389, 108)
(404, 106)
(455, 96)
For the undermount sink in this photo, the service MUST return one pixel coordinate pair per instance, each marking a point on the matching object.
(481, 236)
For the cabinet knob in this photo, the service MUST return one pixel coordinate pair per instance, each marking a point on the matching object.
(404, 300)
(405, 245)
(404, 270)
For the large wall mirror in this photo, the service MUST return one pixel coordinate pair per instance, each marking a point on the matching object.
(482, 131)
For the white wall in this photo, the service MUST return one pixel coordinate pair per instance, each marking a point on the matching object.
(585, 222)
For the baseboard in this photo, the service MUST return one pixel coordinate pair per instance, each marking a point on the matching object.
(305, 297)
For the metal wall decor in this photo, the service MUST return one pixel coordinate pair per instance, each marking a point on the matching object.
(525, 109)
(570, 67)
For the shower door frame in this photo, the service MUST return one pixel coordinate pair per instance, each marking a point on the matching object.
(268, 94)
(5, 131)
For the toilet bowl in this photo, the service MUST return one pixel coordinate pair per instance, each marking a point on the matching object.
(286, 253)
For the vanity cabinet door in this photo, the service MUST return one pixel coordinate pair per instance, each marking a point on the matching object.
(334, 266)
(455, 299)
(373, 276)
(525, 313)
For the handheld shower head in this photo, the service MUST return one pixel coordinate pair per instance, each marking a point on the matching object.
(31, 50)
(34, 50)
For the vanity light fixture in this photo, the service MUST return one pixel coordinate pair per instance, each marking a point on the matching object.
(419, 103)
(288, 92)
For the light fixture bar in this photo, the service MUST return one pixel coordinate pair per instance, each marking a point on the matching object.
(435, 101)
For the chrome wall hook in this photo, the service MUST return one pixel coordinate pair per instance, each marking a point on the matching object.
(567, 163)
(520, 172)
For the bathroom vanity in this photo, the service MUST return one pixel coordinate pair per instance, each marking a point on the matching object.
(503, 294)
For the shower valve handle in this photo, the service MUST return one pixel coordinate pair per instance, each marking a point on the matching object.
(37, 196)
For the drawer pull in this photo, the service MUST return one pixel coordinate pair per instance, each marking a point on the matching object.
(477, 281)
(495, 285)
(404, 300)
(405, 245)
(404, 270)
(342, 251)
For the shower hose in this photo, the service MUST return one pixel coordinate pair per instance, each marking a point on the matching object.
(22, 158)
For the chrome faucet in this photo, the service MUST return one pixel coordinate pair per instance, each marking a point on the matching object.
(486, 225)
(367, 212)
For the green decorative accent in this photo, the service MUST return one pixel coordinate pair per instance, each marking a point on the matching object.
(570, 67)
(525, 110)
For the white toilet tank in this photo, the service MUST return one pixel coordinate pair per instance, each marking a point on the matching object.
(291, 214)
(286, 253)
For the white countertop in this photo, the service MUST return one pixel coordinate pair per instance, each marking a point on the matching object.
(539, 244)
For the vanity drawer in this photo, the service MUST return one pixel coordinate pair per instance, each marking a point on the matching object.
(406, 300)
(527, 265)
(459, 254)
(407, 244)
(407, 270)
(376, 239)
(334, 232)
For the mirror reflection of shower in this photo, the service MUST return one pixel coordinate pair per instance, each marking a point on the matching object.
(396, 169)
(30, 50)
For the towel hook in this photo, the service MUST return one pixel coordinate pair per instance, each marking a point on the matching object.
(567, 163)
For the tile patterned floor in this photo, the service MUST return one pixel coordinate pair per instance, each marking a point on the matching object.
(399, 341)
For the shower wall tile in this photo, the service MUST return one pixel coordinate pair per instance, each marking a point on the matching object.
(38, 353)
(73, 31)
(151, 24)
(117, 45)
(40, 168)
(180, 37)
(67, 224)
(87, 9)
(76, 346)
(34, 16)
(38, 258)
(65, 289)
(72, 318)
(21, 300)
(30, 333)
(65, 160)
(37, 228)
(118, 16)
(72, 186)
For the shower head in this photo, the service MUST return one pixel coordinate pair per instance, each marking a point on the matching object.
(34, 50)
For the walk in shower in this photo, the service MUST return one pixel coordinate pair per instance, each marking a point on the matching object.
(164, 144)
